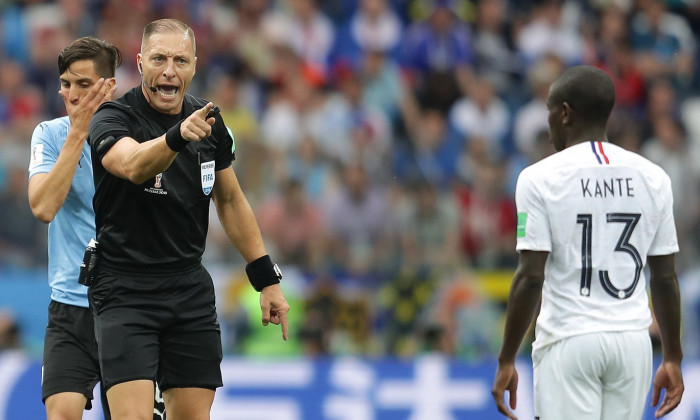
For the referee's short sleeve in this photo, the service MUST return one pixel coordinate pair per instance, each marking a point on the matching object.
(533, 232)
(224, 146)
(108, 125)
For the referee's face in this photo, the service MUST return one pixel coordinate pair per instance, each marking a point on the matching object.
(167, 63)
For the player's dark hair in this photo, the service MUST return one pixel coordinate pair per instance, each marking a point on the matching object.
(162, 26)
(105, 56)
(589, 91)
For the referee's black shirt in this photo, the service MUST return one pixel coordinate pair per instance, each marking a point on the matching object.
(160, 226)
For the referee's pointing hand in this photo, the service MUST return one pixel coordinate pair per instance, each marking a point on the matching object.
(197, 127)
(274, 307)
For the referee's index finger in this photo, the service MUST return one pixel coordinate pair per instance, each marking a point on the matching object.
(285, 325)
(205, 110)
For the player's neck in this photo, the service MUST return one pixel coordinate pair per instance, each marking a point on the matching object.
(587, 135)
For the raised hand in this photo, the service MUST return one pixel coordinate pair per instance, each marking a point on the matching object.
(80, 108)
(197, 126)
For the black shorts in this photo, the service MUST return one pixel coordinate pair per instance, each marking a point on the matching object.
(70, 352)
(160, 328)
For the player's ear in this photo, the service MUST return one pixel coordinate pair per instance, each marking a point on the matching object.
(566, 113)
(111, 82)
(139, 66)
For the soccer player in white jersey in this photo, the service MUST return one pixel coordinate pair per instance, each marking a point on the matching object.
(589, 218)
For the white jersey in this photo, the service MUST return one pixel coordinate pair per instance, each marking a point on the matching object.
(599, 210)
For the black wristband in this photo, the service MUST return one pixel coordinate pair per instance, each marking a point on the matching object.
(174, 139)
(262, 273)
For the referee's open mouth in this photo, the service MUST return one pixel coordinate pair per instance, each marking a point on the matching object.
(168, 91)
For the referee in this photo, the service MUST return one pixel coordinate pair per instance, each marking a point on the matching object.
(158, 159)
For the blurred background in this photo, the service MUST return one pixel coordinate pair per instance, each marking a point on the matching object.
(378, 142)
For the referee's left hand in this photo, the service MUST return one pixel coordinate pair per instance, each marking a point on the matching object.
(274, 307)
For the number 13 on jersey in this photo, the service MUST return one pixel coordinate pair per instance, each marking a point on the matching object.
(630, 220)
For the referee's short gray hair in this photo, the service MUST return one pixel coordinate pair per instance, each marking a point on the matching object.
(162, 26)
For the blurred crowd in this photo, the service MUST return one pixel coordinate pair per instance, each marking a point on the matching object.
(378, 141)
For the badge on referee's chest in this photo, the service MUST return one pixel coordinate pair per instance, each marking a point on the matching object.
(207, 176)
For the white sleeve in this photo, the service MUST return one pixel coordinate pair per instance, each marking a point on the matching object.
(665, 240)
(533, 231)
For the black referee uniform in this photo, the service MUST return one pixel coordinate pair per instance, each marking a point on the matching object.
(154, 304)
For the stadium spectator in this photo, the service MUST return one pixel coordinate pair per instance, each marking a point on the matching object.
(348, 128)
(551, 31)
(662, 102)
(302, 26)
(12, 82)
(486, 222)
(383, 86)
(10, 333)
(292, 227)
(669, 148)
(311, 169)
(241, 33)
(467, 317)
(663, 43)
(494, 47)
(429, 229)
(483, 114)
(22, 237)
(531, 117)
(359, 232)
(439, 56)
(321, 320)
(405, 309)
(236, 96)
(431, 152)
(373, 27)
(610, 50)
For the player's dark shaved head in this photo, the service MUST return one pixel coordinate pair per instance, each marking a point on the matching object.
(589, 92)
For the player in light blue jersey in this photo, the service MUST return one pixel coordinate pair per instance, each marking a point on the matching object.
(72, 223)
(61, 188)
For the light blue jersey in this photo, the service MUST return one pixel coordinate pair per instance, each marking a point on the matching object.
(74, 224)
